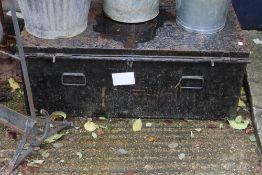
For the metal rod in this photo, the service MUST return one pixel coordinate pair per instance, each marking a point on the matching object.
(22, 59)
(10, 55)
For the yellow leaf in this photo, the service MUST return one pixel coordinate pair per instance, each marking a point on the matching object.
(241, 103)
(90, 126)
(58, 115)
(137, 125)
(13, 84)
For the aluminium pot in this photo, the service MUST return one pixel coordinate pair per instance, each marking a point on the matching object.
(51, 19)
(131, 11)
(202, 16)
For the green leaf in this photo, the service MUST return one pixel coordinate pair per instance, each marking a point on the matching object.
(90, 126)
(57, 115)
(137, 125)
(252, 138)
(53, 138)
(239, 124)
(239, 119)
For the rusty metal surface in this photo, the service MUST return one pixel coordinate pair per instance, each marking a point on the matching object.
(158, 36)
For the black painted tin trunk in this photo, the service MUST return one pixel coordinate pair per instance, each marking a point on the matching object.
(177, 74)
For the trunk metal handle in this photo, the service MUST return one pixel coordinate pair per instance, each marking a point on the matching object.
(79, 75)
(199, 78)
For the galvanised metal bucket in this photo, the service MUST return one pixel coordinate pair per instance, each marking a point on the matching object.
(131, 11)
(51, 19)
(202, 16)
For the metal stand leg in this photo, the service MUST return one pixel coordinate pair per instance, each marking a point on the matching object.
(20, 122)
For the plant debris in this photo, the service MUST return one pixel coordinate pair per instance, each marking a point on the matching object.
(198, 129)
(36, 162)
(148, 125)
(181, 156)
(90, 126)
(79, 154)
(94, 135)
(239, 123)
(241, 103)
(13, 84)
(250, 131)
(58, 115)
(212, 126)
(53, 138)
(100, 132)
(45, 154)
(252, 138)
(150, 138)
(221, 126)
(137, 125)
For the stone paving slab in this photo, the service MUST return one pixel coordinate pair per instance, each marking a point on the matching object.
(254, 71)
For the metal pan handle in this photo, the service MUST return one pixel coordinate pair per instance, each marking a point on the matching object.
(198, 79)
(79, 76)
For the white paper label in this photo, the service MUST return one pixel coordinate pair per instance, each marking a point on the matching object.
(121, 79)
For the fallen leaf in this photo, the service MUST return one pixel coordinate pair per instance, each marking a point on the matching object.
(241, 103)
(102, 126)
(137, 125)
(53, 138)
(100, 132)
(37, 161)
(192, 135)
(239, 123)
(198, 129)
(148, 125)
(11, 135)
(249, 131)
(122, 151)
(79, 154)
(58, 145)
(173, 145)
(13, 84)
(102, 118)
(45, 154)
(94, 135)
(181, 156)
(252, 138)
(150, 138)
(58, 115)
(221, 126)
(239, 119)
(90, 126)
(211, 126)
